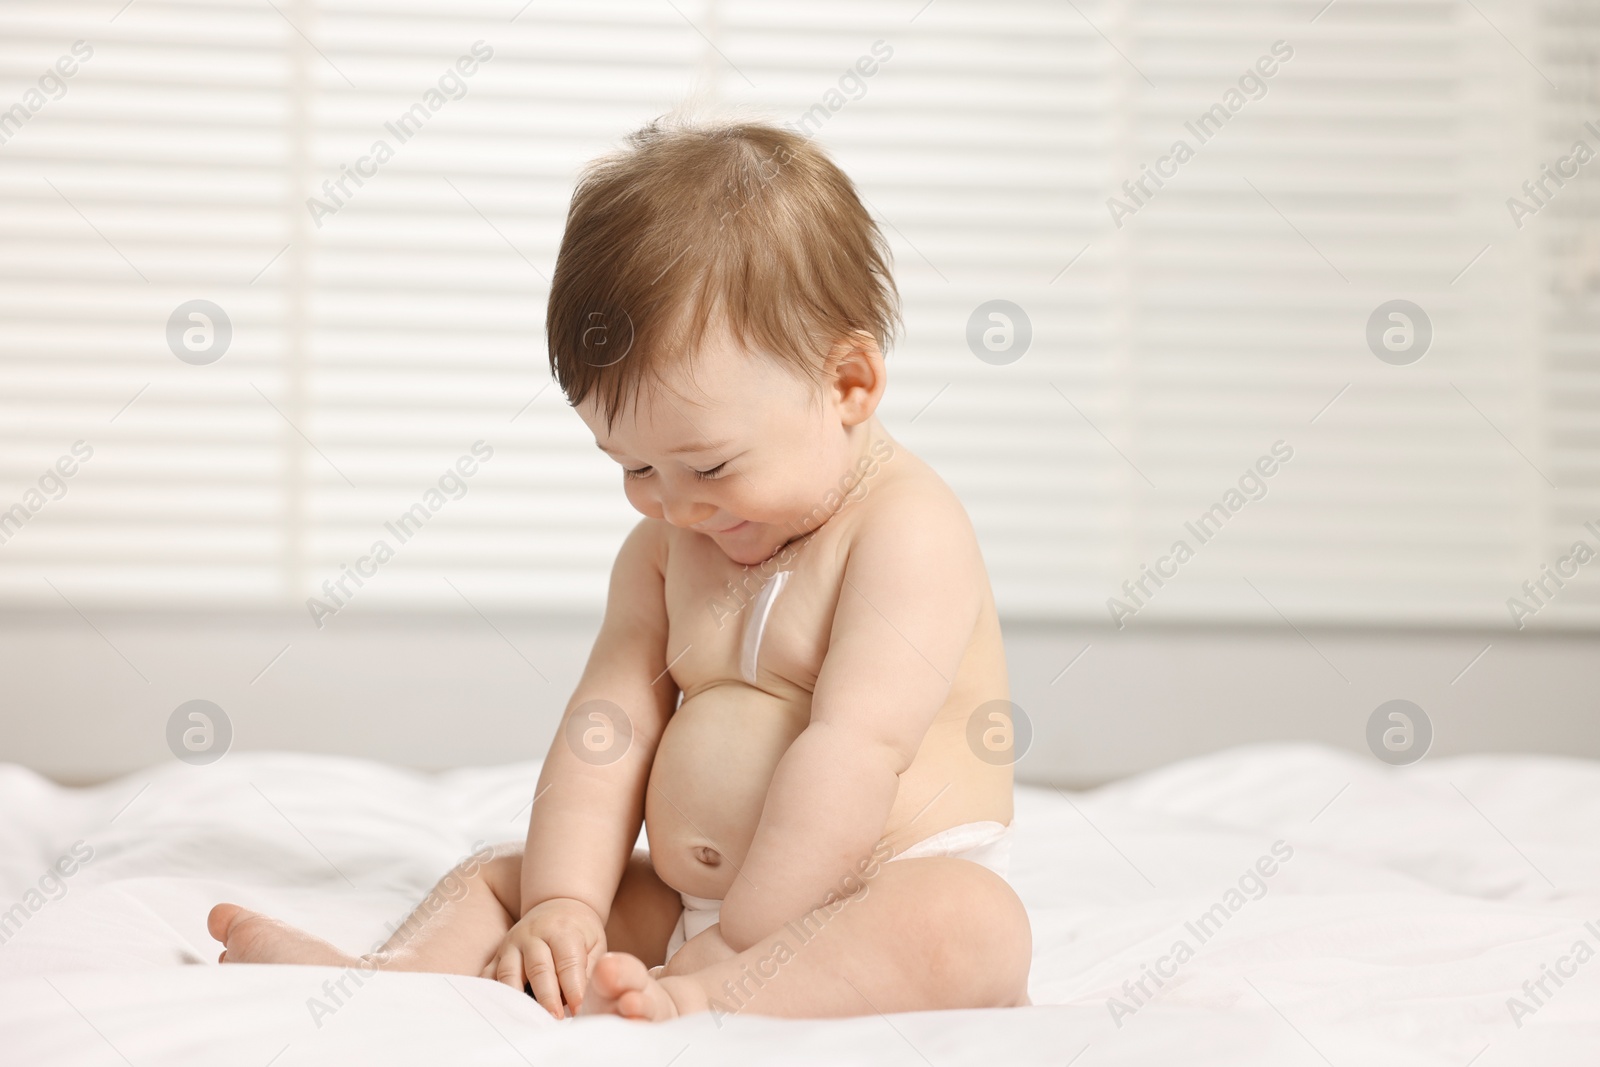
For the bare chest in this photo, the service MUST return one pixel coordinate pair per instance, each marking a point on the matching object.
(764, 626)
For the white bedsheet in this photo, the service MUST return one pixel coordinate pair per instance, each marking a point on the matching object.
(1415, 903)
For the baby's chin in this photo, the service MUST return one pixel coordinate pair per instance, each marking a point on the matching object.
(753, 544)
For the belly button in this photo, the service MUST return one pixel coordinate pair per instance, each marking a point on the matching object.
(708, 856)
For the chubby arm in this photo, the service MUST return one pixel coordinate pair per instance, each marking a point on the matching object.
(589, 807)
(912, 590)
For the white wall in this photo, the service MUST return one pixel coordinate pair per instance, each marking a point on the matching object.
(434, 691)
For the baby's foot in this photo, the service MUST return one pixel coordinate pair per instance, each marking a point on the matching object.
(622, 985)
(250, 937)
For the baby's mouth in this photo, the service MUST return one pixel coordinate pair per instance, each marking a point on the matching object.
(725, 530)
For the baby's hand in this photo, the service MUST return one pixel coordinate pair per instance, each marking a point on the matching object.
(551, 949)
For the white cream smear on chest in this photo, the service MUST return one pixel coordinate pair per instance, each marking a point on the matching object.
(755, 625)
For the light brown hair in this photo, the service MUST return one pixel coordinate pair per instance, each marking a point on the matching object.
(737, 223)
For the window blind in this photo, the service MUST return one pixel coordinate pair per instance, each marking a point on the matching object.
(372, 195)
(1568, 248)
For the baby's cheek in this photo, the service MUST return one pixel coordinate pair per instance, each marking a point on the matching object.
(642, 500)
(777, 504)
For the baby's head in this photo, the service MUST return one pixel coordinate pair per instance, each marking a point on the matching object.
(718, 317)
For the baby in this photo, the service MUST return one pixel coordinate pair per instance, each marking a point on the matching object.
(828, 805)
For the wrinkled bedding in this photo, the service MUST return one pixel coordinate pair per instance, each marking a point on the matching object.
(1279, 904)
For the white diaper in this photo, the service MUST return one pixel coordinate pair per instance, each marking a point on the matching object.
(987, 843)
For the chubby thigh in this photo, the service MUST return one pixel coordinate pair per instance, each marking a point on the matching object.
(643, 913)
(926, 933)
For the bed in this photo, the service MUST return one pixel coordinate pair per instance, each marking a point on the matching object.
(1335, 911)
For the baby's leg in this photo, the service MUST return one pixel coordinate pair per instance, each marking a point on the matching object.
(462, 919)
(933, 932)
(459, 924)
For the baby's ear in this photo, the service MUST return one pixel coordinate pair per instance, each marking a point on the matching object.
(857, 376)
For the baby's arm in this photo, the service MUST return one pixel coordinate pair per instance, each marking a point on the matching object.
(586, 815)
(913, 587)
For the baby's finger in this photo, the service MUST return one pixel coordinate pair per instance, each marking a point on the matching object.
(508, 967)
(541, 972)
(571, 962)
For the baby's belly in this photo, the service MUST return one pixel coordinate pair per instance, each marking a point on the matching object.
(710, 779)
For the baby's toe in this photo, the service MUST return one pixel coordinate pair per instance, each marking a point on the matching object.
(221, 920)
(615, 973)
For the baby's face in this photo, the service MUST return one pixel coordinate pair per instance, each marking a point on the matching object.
(743, 452)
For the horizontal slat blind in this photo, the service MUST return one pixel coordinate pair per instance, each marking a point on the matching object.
(1354, 179)
(1568, 235)
(380, 333)
(157, 176)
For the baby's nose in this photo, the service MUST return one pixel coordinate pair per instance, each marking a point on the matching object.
(685, 514)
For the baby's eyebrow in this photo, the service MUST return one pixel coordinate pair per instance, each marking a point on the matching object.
(714, 447)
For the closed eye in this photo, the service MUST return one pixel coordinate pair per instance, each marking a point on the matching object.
(708, 475)
(704, 476)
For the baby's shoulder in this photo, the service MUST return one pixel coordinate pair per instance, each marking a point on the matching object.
(910, 558)
(909, 509)
(906, 489)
